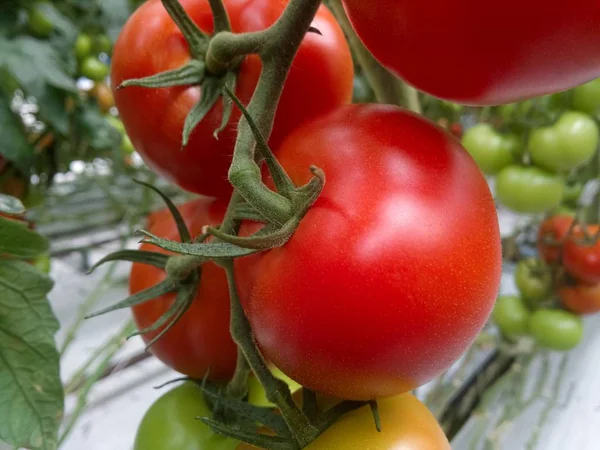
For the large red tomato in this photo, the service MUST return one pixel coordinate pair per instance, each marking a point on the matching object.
(321, 79)
(581, 298)
(482, 53)
(581, 260)
(393, 271)
(200, 340)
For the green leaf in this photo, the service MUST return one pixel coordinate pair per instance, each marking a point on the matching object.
(19, 241)
(11, 205)
(114, 15)
(31, 393)
(101, 135)
(61, 23)
(51, 102)
(13, 143)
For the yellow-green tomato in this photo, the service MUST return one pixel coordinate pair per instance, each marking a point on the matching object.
(94, 69)
(256, 393)
(511, 315)
(83, 46)
(38, 21)
(171, 423)
(586, 98)
(529, 189)
(556, 329)
(491, 150)
(569, 143)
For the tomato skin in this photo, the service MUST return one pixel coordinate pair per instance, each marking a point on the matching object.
(94, 69)
(555, 228)
(528, 189)
(583, 261)
(550, 47)
(491, 151)
(586, 98)
(382, 255)
(569, 143)
(321, 79)
(581, 298)
(512, 316)
(171, 423)
(201, 337)
(556, 329)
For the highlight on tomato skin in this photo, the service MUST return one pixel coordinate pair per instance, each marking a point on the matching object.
(321, 79)
(393, 271)
(468, 52)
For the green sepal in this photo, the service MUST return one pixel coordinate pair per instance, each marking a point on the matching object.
(184, 233)
(376, 417)
(136, 256)
(196, 38)
(230, 79)
(309, 404)
(161, 288)
(192, 73)
(211, 91)
(250, 436)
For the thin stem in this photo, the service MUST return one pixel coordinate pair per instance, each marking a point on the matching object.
(387, 87)
(277, 391)
(238, 386)
(220, 16)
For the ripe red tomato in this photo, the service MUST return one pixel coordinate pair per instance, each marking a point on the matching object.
(555, 228)
(393, 271)
(581, 298)
(200, 340)
(320, 80)
(500, 55)
(583, 261)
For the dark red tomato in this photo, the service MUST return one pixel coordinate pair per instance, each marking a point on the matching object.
(500, 54)
(320, 80)
(200, 340)
(581, 298)
(582, 260)
(393, 271)
(554, 228)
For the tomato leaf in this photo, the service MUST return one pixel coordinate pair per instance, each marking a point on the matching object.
(14, 145)
(19, 241)
(31, 397)
(114, 15)
(11, 205)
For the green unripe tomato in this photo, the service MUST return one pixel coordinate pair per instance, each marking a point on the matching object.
(171, 423)
(569, 143)
(563, 210)
(534, 280)
(511, 110)
(127, 145)
(512, 316)
(94, 69)
(102, 44)
(529, 189)
(586, 98)
(116, 123)
(572, 193)
(83, 46)
(491, 150)
(556, 329)
(38, 21)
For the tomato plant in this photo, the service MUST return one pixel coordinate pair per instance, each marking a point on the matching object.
(172, 423)
(529, 189)
(512, 316)
(586, 98)
(321, 79)
(416, 283)
(582, 259)
(569, 143)
(550, 48)
(581, 298)
(556, 329)
(553, 229)
(200, 340)
(491, 151)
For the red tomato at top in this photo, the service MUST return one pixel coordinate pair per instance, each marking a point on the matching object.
(394, 270)
(583, 261)
(483, 53)
(320, 80)
(200, 340)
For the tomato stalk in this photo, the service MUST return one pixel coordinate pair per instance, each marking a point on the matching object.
(387, 87)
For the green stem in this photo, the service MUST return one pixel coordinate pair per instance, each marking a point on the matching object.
(277, 391)
(238, 386)
(220, 16)
(387, 87)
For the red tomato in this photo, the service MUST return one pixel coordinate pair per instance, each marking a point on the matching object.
(321, 79)
(393, 271)
(200, 340)
(583, 261)
(500, 54)
(555, 228)
(581, 298)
